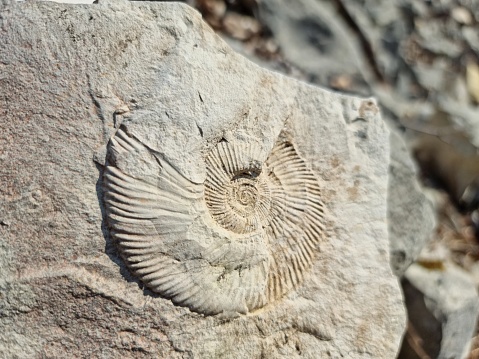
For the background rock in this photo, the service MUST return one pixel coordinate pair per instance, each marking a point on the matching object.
(311, 37)
(411, 215)
(442, 307)
(159, 70)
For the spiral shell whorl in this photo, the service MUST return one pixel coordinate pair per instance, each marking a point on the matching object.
(236, 190)
(239, 241)
(280, 198)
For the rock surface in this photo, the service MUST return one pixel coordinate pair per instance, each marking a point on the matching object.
(442, 307)
(411, 215)
(177, 90)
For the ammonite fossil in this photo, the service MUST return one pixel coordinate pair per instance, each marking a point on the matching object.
(235, 243)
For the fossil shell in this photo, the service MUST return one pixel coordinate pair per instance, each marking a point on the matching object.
(235, 243)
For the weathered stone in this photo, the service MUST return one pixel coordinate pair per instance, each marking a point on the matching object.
(411, 216)
(442, 308)
(178, 93)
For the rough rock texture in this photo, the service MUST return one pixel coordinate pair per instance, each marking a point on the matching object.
(411, 216)
(178, 92)
(442, 307)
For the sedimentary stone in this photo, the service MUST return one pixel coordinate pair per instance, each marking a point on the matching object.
(124, 138)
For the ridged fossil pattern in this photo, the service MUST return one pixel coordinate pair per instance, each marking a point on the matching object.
(265, 217)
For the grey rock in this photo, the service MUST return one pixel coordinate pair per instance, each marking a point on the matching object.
(451, 160)
(433, 77)
(411, 216)
(442, 308)
(383, 27)
(463, 116)
(312, 36)
(156, 71)
(418, 8)
(440, 6)
(471, 35)
(439, 37)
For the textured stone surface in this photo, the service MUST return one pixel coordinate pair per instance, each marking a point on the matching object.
(442, 307)
(410, 213)
(156, 71)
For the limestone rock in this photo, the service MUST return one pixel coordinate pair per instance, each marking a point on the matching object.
(411, 215)
(112, 242)
(443, 307)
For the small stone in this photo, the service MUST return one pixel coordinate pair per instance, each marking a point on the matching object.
(432, 38)
(216, 8)
(213, 11)
(241, 27)
(341, 82)
(472, 79)
(462, 15)
(471, 35)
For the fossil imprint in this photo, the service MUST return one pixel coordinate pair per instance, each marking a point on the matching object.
(235, 243)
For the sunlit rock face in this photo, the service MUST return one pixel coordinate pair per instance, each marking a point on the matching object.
(162, 194)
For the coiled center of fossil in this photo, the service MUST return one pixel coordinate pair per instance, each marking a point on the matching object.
(237, 192)
(244, 195)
